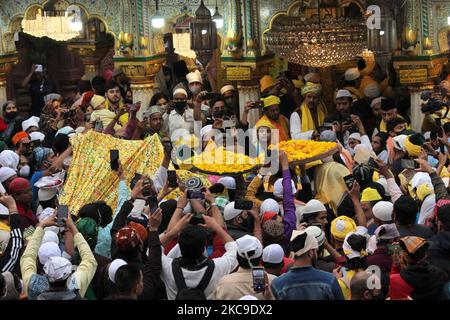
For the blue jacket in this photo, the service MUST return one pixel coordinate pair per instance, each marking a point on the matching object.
(306, 283)
(103, 246)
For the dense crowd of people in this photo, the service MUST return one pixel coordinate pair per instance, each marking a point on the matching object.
(370, 222)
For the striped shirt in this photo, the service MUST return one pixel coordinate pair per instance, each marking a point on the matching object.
(11, 255)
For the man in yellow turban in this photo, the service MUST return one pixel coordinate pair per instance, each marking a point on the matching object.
(306, 120)
(273, 119)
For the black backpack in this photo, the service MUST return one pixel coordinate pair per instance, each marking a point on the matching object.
(185, 293)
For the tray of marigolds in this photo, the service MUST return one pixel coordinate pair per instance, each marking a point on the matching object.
(220, 161)
(305, 151)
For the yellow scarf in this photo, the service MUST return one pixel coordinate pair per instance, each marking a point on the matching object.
(356, 94)
(4, 227)
(123, 120)
(307, 120)
(281, 125)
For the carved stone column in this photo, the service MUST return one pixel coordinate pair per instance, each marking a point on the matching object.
(142, 72)
(7, 62)
(249, 93)
(91, 53)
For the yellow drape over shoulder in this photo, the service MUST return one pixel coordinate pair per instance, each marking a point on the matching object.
(329, 183)
(282, 125)
(307, 120)
(90, 177)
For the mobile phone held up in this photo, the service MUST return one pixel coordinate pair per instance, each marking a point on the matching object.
(258, 279)
(349, 181)
(258, 105)
(153, 203)
(409, 164)
(243, 204)
(62, 213)
(172, 178)
(114, 159)
(195, 194)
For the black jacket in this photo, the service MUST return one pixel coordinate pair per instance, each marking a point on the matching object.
(439, 252)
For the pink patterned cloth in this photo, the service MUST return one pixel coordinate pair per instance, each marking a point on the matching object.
(213, 179)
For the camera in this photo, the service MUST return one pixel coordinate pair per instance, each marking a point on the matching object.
(194, 186)
(68, 113)
(432, 104)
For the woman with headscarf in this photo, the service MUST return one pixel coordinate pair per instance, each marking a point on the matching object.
(54, 116)
(307, 119)
(12, 120)
(42, 160)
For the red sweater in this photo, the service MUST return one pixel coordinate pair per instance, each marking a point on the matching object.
(399, 288)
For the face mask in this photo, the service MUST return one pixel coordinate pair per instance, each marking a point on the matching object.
(180, 105)
(219, 114)
(11, 115)
(24, 172)
(195, 90)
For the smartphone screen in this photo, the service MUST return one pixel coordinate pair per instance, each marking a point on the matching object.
(114, 159)
(153, 203)
(172, 178)
(243, 204)
(258, 279)
(258, 105)
(62, 213)
(349, 181)
(195, 195)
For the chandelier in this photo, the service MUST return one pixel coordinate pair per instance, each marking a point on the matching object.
(57, 27)
(315, 42)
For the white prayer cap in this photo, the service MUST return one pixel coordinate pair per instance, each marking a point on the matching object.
(9, 159)
(273, 254)
(355, 136)
(249, 247)
(48, 250)
(376, 100)
(180, 90)
(6, 173)
(372, 90)
(269, 205)
(57, 269)
(113, 267)
(228, 182)
(37, 136)
(383, 211)
(229, 213)
(278, 188)
(343, 94)
(30, 122)
(352, 74)
(317, 233)
(313, 206)
(227, 88)
(195, 76)
(50, 237)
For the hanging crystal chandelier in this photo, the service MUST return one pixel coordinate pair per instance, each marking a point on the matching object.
(317, 42)
(57, 27)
